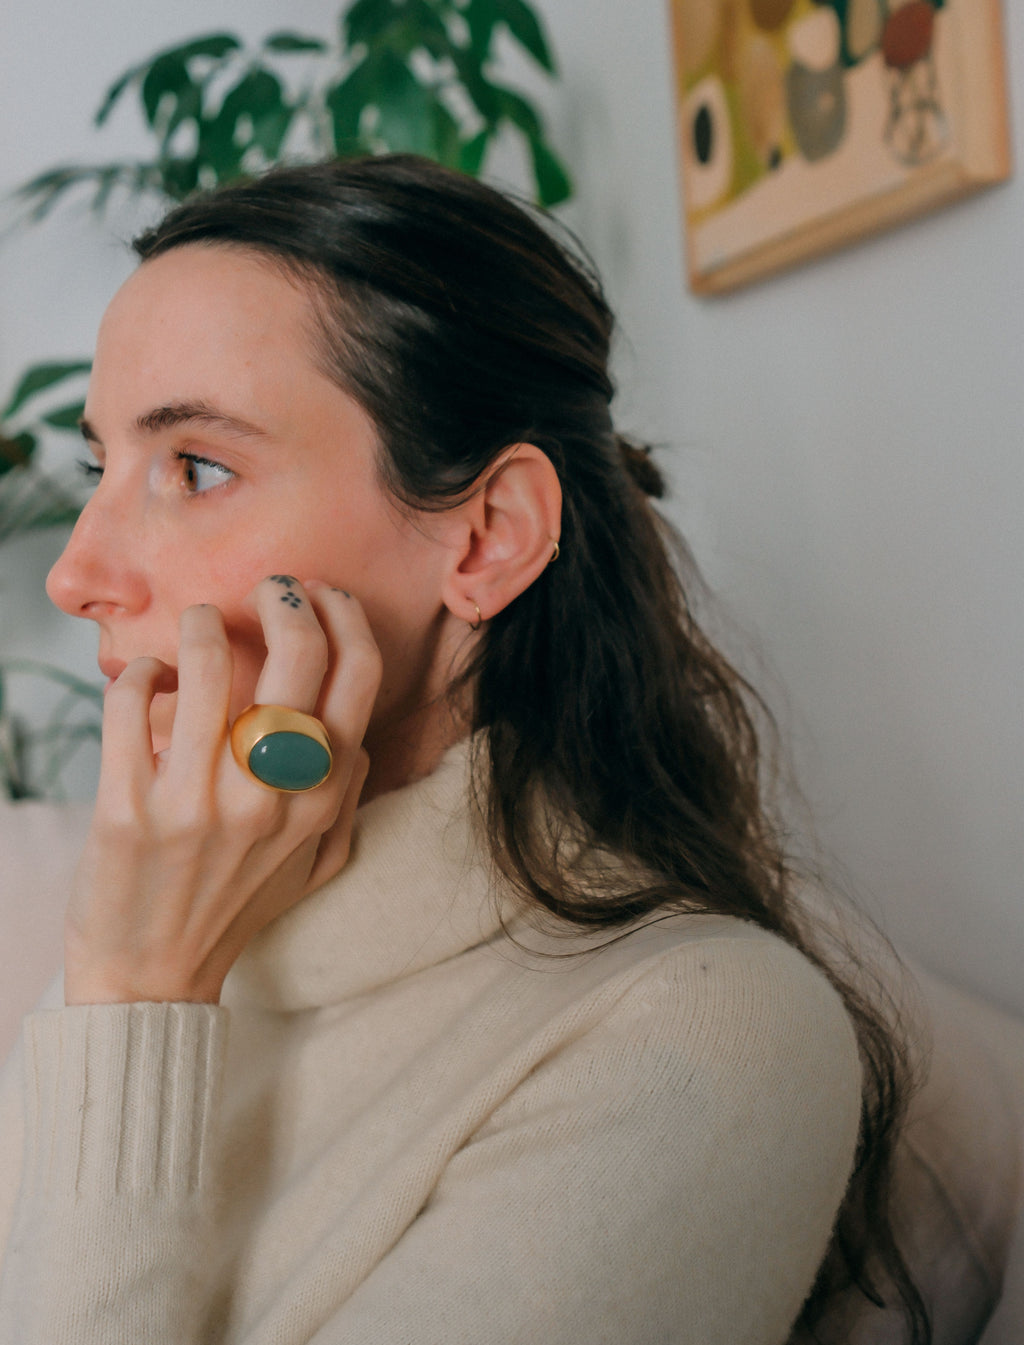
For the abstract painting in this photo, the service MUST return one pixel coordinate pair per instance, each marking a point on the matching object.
(805, 124)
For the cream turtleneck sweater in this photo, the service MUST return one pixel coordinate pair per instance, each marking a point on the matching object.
(402, 1128)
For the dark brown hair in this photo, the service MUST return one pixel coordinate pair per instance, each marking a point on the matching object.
(463, 326)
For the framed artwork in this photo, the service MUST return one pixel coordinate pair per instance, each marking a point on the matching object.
(806, 124)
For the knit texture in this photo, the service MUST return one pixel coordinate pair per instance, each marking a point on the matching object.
(419, 1131)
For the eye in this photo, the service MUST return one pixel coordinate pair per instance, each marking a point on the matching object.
(92, 471)
(200, 475)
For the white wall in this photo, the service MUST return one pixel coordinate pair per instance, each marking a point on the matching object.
(846, 448)
(844, 444)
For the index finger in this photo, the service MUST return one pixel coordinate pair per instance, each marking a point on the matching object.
(204, 686)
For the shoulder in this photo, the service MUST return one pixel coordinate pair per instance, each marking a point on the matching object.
(759, 1029)
(702, 1082)
(706, 1015)
(709, 978)
(737, 984)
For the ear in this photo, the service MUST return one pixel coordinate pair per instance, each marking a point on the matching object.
(514, 520)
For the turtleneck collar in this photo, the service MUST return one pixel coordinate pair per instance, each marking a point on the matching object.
(415, 891)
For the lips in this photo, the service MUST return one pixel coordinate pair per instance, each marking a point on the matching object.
(111, 668)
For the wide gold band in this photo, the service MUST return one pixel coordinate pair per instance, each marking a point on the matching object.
(259, 723)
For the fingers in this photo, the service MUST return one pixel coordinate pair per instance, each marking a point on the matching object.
(350, 685)
(296, 645)
(335, 844)
(205, 667)
(321, 658)
(127, 760)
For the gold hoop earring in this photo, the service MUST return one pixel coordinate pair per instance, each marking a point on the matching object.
(479, 618)
(556, 553)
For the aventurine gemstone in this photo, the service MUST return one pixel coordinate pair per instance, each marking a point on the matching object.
(289, 761)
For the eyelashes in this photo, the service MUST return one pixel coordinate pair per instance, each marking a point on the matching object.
(199, 475)
(203, 474)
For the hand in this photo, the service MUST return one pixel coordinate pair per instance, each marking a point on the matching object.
(188, 857)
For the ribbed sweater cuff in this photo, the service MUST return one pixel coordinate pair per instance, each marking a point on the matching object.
(121, 1099)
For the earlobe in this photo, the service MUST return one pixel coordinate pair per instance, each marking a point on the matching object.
(514, 519)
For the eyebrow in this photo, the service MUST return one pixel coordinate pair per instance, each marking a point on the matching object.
(182, 413)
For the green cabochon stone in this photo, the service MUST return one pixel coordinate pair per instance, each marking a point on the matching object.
(289, 761)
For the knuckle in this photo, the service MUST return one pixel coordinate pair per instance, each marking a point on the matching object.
(324, 806)
(255, 809)
(365, 663)
(186, 817)
(306, 653)
(135, 677)
(210, 657)
(117, 824)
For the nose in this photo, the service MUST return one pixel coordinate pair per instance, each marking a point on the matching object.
(99, 571)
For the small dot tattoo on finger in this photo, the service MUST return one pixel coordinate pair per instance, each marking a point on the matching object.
(287, 582)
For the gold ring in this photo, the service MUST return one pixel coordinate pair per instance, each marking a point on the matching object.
(282, 749)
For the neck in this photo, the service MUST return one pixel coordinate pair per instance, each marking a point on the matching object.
(406, 741)
(410, 749)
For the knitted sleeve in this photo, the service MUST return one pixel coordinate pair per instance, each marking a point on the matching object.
(109, 1237)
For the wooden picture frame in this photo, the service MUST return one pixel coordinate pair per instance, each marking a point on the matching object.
(807, 124)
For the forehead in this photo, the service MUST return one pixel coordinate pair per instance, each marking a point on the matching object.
(232, 291)
(202, 315)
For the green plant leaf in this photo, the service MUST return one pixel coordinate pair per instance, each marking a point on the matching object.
(16, 452)
(472, 152)
(115, 91)
(426, 28)
(408, 110)
(29, 500)
(258, 97)
(39, 377)
(87, 691)
(483, 94)
(364, 21)
(65, 417)
(43, 192)
(167, 75)
(106, 180)
(270, 129)
(480, 17)
(517, 110)
(447, 139)
(214, 45)
(398, 29)
(345, 103)
(287, 42)
(170, 75)
(177, 177)
(553, 182)
(187, 107)
(525, 27)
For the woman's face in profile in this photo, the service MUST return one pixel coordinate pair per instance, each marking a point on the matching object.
(226, 456)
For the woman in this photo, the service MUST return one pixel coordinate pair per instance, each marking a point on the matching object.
(532, 1046)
